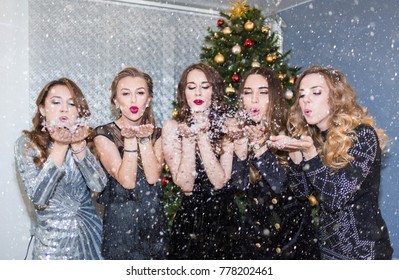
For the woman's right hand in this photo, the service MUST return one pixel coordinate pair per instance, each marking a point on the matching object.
(60, 134)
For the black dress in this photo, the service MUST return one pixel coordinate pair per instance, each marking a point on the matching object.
(276, 224)
(134, 225)
(206, 225)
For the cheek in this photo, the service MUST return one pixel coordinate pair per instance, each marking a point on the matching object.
(265, 106)
(246, 101)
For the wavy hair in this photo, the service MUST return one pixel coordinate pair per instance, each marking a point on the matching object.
(40, 136)
(345, 115)
(218, 108)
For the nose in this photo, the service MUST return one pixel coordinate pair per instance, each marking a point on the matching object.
(255, 97)
(133, 97)
(198, 91)
(307, 98)
(64, 107)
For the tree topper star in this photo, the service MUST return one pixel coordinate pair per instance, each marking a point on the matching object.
(238, 9)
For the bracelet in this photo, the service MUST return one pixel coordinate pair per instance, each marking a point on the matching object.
(80, 149)
(130, 151)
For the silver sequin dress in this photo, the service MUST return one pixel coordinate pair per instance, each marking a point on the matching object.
(68, 226)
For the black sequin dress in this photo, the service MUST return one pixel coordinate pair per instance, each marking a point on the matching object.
(276, 224)
(206, 225)
(134, 225)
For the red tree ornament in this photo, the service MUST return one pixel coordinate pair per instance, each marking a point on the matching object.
(220, 22)
(164, 181)
(235, 78)
(248, 43)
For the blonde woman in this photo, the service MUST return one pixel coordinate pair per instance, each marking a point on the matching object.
(130, 149)
(335, 152)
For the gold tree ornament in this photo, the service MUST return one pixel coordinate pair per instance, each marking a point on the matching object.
(249, 25)
(269, 58)
(238, 9)
(265, 29)
(219, 58)
(230, 90)
(255, 64)
(227, 30)
(313, 200)
(175, 113)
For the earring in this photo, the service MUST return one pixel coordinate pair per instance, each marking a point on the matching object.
(43, 124)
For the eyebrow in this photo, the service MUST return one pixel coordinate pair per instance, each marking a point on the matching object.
(262, 87)
(301, 89)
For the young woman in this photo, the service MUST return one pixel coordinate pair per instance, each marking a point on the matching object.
(276, 224)
(58, 170)
(200, 159)
(335, 152)
(130, 149)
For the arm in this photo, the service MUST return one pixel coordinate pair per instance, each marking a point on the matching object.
(219, 172)
(152, 159)
(124, 169)
(271, 170)
(240, 173)
(337, 188)
(180, 156)
(297, 180)
(93, 173)
(39, 184)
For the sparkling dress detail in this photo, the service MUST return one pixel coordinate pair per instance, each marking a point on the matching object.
(68, 227)
(351, 224)
(135, 226)
(207, 223)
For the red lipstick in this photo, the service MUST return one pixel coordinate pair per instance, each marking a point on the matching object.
(198, 102)
(134, 109)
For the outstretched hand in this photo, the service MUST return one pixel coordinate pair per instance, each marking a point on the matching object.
(144, 130)
(304, 145)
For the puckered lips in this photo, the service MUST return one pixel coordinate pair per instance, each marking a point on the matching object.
(307, 112)
(63, 119)
(254, 111)
(134, 109)
(198, 102)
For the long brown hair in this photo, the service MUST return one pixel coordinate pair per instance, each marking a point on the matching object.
(40, 136)
(276, 115)
(148, 116)
(218, 107)
(345, 115)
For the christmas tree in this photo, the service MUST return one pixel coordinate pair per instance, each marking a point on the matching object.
(241, 41)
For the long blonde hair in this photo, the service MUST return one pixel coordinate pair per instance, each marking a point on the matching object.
(345, 115)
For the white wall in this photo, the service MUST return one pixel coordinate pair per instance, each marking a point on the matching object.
(14, 117)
